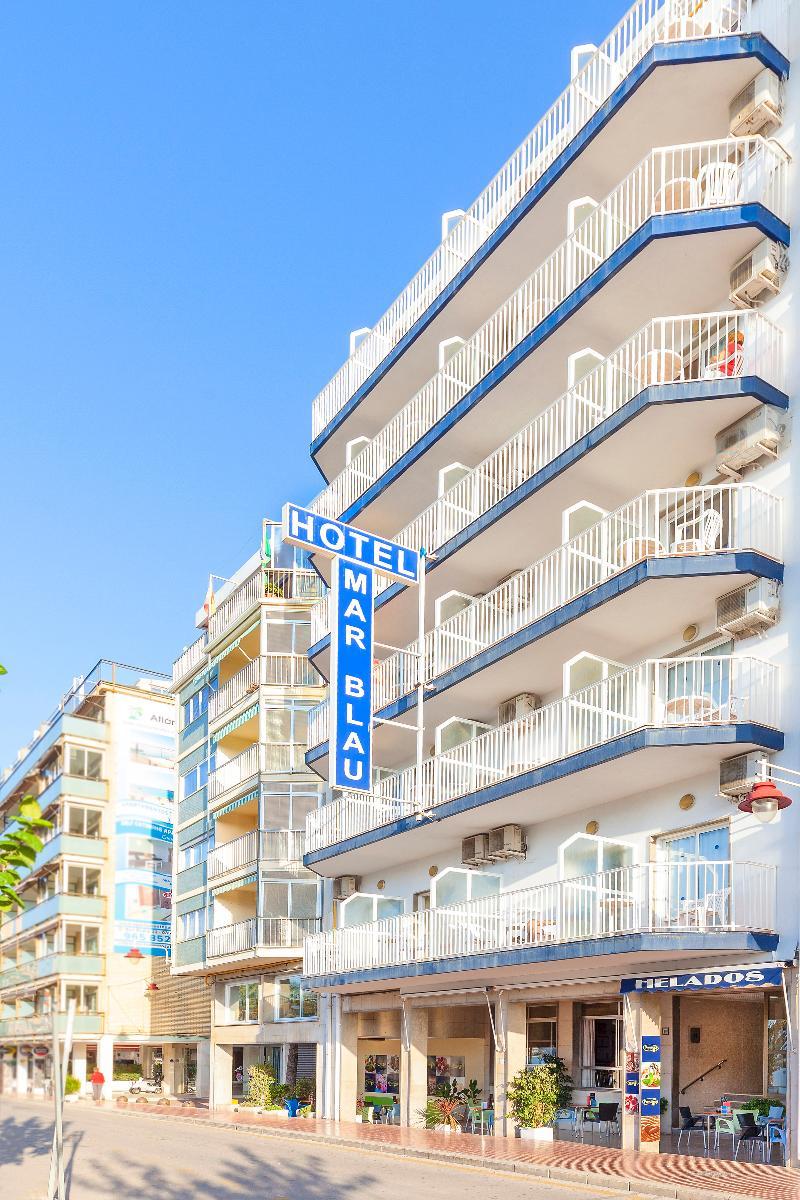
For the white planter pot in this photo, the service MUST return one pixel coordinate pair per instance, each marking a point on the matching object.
(543, 1134)
(443, 1129)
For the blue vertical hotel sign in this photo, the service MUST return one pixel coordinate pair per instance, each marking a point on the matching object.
(357, 558)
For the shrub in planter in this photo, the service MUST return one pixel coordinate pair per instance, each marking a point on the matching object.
(533, 1100)
(72, 1086)
(262, 1086)
(760, 1105)
(306, 1089)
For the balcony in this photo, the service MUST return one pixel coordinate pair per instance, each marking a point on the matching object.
(259, 759)
(65, 904)
(645, 25)
(280, 849)
(188, 663)
(673, 180)
(270, 670)
(671, 357)
(656, 706)
(38, 1026)
(261, 936)
(269, 583)
(583, 916)
(74, 844)
(662, 524)
(57, 963)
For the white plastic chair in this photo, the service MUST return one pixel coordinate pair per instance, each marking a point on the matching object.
(718, 184)
(701, 537)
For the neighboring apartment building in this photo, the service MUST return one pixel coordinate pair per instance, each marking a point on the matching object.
(96, 912)
(580, 409)
(243, 899)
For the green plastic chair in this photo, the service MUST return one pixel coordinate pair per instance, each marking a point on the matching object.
(726, 1125)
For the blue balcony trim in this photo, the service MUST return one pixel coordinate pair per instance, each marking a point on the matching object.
(732, 562)
(715, 942)
(672, 54)
(670, 393)
(629, 743)
(654, 228)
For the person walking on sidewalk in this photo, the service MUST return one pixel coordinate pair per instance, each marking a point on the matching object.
(97, 1080)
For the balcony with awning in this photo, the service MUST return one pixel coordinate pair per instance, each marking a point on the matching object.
(662, 719)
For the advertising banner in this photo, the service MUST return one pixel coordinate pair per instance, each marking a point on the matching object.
(650, 1091)
(143, 788)
(351, 676)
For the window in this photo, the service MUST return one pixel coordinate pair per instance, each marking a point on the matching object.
(587, 855)
(286, 805)
(542, 1032)
(364, 907)
(84, 821)
(84, 995)
(695, 887)
(289, 899)
(293, 1001)
(83, 881)
(82, 939)
(288, 637)
(193, 780)
(191, 924)
(197, 704)
(601, 1046)
(88, 764)
(777, 1045)
(197, 852)
(243, 1001)
(455, 885)
(287, 736)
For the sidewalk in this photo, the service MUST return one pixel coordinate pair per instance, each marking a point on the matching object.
(671, 1175)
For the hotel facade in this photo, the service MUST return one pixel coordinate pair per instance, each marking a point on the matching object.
(579, 408)
(244, 901)
(94, 927)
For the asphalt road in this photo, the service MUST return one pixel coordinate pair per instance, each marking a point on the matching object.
(114, 1156)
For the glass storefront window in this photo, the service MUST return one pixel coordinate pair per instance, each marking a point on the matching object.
(294, 1003)
(243, 1001)
(542, 1032)
(777, 1046)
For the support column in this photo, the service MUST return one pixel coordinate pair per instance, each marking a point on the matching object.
(105, 1062)
(79, 1064)
(642, 1015)
(168, 1082)
(413, 1063)
(22, 1074)
(792, 1064)
(511, 1056)
(202, 1083)
(347, 1059)
(220, 1092)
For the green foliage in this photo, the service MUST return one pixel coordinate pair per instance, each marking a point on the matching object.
(18, 849)
(261, 1088)
(564, 1079)
(663, 1104)
(471, 1093)
(430, 1115)
(72, 1085)
(760, 1105)
(306, 1089)
(533, 1096)
(127, 1074)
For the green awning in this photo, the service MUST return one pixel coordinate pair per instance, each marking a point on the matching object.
(228, 887)
(236, 804)
(234, 724)
(219, 657)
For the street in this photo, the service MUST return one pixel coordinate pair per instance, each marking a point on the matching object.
(113, 1155)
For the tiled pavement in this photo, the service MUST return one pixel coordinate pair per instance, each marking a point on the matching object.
(685, 1176)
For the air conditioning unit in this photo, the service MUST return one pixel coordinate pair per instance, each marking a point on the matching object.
(758, 107)
(475, 850)
(759, 275)
(517, 706)
(345, 886)
(749, 439)
(750, 608)
(507, 842)
(738, 774)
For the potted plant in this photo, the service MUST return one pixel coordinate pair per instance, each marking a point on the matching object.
(72, 1088)
(364, 1111)
(448, 1100)
(533, 1101)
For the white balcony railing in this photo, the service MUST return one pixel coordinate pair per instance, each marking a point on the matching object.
(188, 662)
(277, 758)
(283, 848)
(270, 670)
(652, 898)
(703, 175)
(260, 933)
(663, 523)
(670, 350)
(662, 693)
(646, 23)
(266, 583)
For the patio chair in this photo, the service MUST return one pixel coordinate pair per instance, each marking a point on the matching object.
(607, 1114)
(725, 1125)
(776, 1113)
(749, 1131)
(698, 536)
(690, 1124)
(718, 183)
(776, 1136)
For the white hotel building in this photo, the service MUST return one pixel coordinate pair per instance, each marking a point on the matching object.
(580, 408)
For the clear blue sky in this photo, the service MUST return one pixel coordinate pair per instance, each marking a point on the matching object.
(199, 201)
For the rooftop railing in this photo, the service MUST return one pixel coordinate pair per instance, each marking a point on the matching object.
(260, 933)
(662, 523)
(276, 847)
(661, 693)
(266, 583)
(704, 175)
(190, 661)
(669, 898)
(646, 23)
(676, 350)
